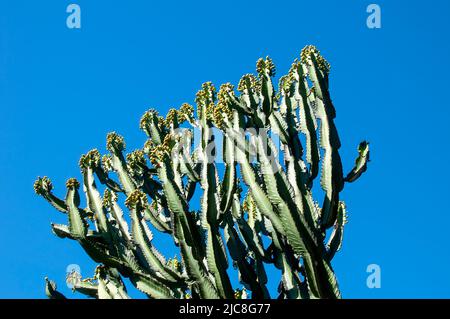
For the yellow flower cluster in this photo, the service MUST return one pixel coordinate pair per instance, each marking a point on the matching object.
(248, 81)
(137, 199)
(136, 159)
(174, 264)
(220, 112)
(90, 160)
(148, 146)
(115, 142)
(159, 152)
(285, 83)
(186, 112)
(311, 50)
(107, 163)
(43, 185)
(171, 117)
(72, 183)
(109, 197)
(265, 66)
(205, 97)
(147, 118)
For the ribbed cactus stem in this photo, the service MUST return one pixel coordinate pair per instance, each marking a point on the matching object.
(259, 209)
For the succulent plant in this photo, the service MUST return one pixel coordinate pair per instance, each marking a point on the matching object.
(264, 192)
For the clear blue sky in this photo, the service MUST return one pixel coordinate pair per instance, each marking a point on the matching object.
(62, 90)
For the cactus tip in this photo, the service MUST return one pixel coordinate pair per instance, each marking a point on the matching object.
(42, 185)
(72, 183)
(311, 51)
(115, 142)
(90, 160)
(136, 199)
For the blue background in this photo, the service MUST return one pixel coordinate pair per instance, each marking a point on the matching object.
(62, 91)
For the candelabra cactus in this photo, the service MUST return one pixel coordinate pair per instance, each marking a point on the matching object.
(261, 193)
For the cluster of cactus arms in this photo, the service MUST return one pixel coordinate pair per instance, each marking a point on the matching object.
(256, 209)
